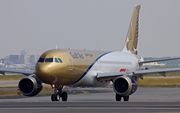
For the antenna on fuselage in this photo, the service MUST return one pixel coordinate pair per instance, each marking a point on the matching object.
(56, 46)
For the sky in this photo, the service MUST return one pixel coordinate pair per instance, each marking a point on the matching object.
(39, 25)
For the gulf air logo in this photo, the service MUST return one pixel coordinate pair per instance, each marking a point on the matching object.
(122, 70)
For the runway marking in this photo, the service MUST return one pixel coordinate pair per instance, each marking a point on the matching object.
(85, 92)
(99, 108)
(90, 107)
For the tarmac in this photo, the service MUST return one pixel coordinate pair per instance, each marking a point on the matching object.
(97, 100)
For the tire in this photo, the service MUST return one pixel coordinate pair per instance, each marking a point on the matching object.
(126, 98)
(64, 96)
(57, 97)
(118, 97)
(53, 98)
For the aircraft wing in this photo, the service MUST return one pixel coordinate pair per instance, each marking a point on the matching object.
(140, 73)
(157, 60)
(24, 72)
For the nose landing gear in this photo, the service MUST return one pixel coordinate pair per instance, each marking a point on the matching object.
(58, 93)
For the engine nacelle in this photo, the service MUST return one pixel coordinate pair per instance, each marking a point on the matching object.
(30, 86)
(124, 86)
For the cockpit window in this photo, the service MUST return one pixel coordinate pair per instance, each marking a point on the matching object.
(56, 60)
(41, 60)
(49, 60)
(60, 60)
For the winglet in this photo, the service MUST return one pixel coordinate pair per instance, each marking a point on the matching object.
(132, 36)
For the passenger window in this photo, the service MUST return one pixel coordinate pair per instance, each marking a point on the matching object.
(56, 60)
(41, 60)
(60, 60)
(49, 60)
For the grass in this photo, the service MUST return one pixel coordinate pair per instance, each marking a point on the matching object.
(7, 93)
(160, 82)
(12, 77)
(46, 91)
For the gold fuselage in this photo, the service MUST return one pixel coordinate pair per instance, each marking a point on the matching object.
(74, 65)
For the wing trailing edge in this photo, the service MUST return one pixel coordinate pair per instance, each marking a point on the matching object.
(139, 73)
(24, 72)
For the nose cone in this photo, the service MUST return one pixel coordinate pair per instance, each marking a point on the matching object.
(43, 72)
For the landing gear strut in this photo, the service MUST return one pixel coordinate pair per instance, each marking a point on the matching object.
(58, 93)
(118, 97)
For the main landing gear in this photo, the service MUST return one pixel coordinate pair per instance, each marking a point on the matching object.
(58, 93)
(118, 97)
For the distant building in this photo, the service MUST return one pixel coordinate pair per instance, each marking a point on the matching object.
(2, 60)
(14, 59)
(22, 59)
(27, 59)
(6, 60)
(32, 59)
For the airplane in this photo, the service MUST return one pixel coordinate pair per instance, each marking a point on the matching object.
(89, 68)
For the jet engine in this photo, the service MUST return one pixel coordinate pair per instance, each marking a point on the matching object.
(30, 86)
(124, 85)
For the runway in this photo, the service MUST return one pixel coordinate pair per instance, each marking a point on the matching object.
(98, 100)
(89, 107)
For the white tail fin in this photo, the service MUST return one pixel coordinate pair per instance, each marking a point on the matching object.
(132, 36)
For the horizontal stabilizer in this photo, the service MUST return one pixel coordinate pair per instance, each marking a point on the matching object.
(158, 60)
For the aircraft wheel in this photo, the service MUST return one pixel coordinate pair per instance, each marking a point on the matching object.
(118, 97)
(64, 96)
(53, 98)
(126, 98)
(57, 97)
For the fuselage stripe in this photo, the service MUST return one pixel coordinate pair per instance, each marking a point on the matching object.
(90, 67)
